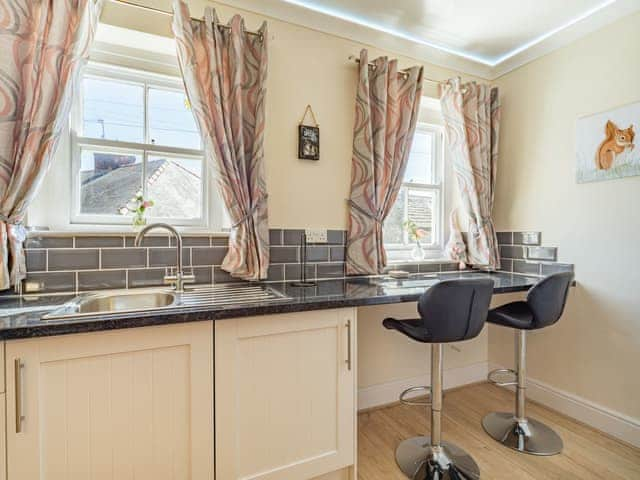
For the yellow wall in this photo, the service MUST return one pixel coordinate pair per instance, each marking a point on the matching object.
(305, 67)
(593, 352)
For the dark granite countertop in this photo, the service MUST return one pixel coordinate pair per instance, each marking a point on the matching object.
(22, 317)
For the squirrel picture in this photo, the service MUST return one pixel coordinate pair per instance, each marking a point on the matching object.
(616, 142)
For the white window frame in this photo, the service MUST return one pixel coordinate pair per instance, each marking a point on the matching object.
(147, 80)
(401, 252)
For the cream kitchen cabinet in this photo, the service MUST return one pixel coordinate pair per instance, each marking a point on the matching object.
(285, 396)
(126, 404)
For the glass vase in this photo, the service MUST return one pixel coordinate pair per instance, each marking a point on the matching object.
(417, 253)
(139, 220)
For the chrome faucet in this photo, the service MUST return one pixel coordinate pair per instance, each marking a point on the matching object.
(180, 278)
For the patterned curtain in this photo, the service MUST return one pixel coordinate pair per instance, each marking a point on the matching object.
(387, 107)
(472, 118)
(44, 45)
(225, 72)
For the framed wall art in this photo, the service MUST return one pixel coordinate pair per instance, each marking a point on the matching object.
(309, 138)
(606, 144)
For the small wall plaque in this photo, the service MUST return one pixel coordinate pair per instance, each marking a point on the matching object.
(309, 138)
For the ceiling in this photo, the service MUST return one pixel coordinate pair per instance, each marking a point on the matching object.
(482, 37)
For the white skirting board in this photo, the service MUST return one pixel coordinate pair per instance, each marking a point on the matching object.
(597, 416)
(386, 393)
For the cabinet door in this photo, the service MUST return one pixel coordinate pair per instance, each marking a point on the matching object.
(285, 395)
(125, 404)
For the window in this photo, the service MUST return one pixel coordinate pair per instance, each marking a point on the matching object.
(133, 132)
(420, 199)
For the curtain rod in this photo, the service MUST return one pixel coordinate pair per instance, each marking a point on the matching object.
(403, 71)
(170, 13)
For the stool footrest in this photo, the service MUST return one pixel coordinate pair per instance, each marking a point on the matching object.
(502, 371)
(404, 400)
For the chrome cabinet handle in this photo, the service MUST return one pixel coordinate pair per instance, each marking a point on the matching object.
(18, 369)
(348, 361)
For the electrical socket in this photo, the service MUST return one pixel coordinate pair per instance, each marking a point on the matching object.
(316, 235)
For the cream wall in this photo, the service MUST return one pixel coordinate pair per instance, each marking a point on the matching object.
(594, 351)
(310, 67)
(305, 67)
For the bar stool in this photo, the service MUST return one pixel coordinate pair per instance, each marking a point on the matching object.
(543, 307)
(450, 311)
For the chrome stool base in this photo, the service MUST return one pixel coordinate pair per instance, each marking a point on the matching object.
(531, 436)
(418, 460)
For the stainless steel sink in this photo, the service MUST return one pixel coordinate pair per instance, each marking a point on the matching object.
(125, 302)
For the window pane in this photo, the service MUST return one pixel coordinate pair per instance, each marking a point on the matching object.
(113, 110)
(420, 164)
(108, 180)
(175, 186)
(421, 206)
(393, 232)
(171, 121)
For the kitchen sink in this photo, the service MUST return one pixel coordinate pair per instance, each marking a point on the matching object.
(125, 301)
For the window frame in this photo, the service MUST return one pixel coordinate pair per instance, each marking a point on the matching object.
(147, 80)
(400, 252)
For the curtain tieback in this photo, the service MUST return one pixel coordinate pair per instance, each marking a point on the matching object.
(376, 218)
(17, 230)
(250, 213)
(10, 220)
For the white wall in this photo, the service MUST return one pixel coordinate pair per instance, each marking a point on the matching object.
(594, 351)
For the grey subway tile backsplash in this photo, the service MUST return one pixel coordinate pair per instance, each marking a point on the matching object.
(193, 241)
(330, 270)
(521, 266)
(405, 267)
(124, 257)
(147, 277)
(292, 271)
(336, 237)
(316, 253)
(547, 254)
(276, 272)
(549, 268)
(50, 282)
(222, 276)
(74, 259)
(511, 251)
(149, 241)
(336, 254)
(112, 262)
(526, 238)
(284, 254)
(275, 236)
(506, 265)
(208, 255)
(292, 237)
(102, 279)
(98, 242)
(36, 260)
(429, 267)
(204, 275)
(505, 238)
(448, 267)
(166, 257)
(49, 242)
(219, 242)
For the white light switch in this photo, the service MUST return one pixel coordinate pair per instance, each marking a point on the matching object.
(316, 235)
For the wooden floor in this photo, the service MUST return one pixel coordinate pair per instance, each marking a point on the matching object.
(587, 453)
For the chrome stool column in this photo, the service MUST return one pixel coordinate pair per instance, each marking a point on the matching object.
(450, 311)
(543, 307)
